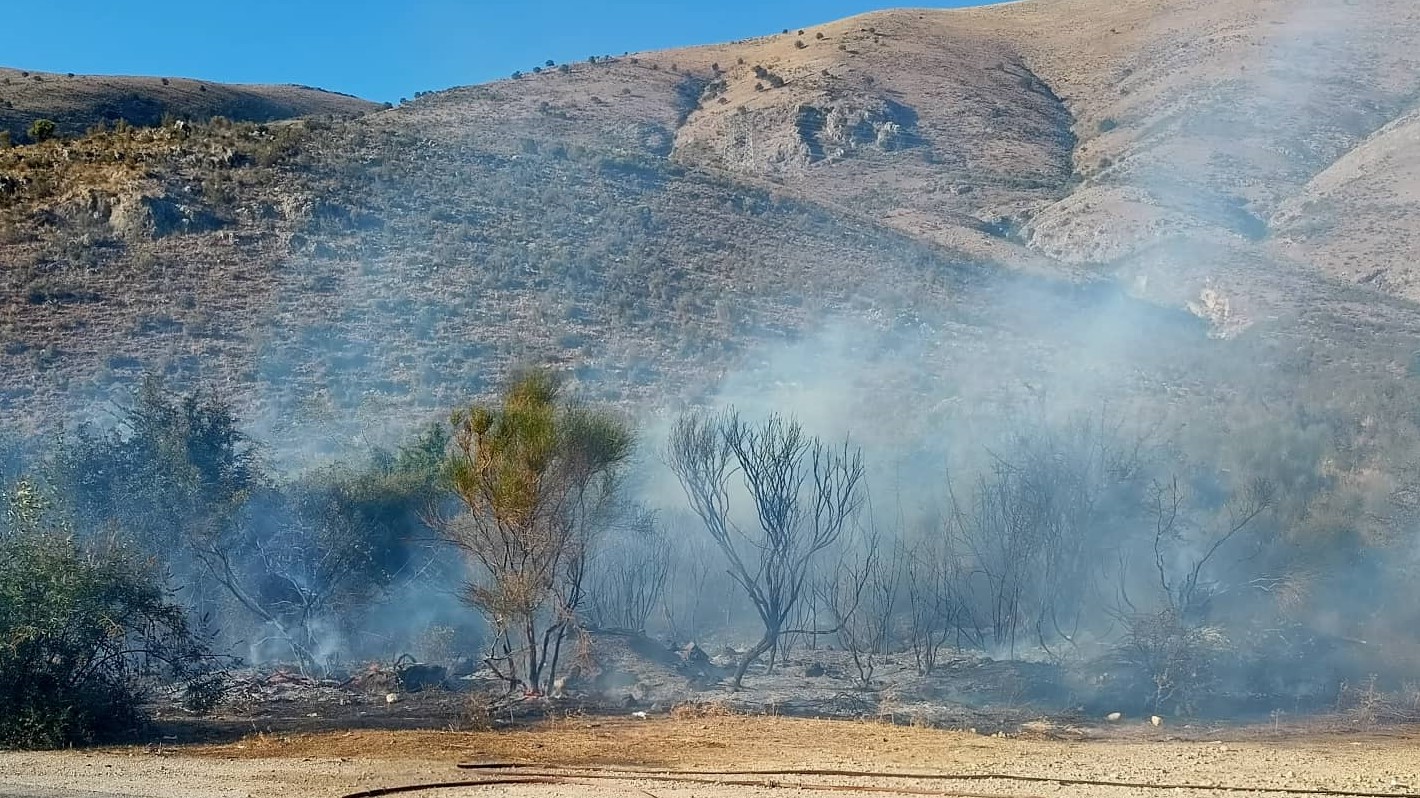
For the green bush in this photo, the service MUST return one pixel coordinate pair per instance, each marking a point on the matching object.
(42, 130)
(85, 631)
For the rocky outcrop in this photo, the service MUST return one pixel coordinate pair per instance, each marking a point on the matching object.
(160, 216)
(781, 139)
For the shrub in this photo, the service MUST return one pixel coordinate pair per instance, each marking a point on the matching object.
(42, 130)
(84, 631)
(537, 478)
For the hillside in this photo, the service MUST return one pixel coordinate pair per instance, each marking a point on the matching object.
(1176, 205)
(77, 102)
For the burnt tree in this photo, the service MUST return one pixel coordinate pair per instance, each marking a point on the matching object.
(804, 492)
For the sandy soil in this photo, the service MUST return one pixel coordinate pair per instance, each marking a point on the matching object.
(335, 764)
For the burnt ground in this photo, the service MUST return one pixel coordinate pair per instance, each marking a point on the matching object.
(627, 676)
(660, 718)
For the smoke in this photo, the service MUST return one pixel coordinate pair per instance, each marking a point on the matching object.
(1265, 537)
(1194, 470)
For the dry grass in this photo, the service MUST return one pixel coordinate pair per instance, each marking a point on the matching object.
(690, 710)
(621, 221)
(75, 102)
(697, 741)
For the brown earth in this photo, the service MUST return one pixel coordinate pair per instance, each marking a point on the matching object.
(334, 764)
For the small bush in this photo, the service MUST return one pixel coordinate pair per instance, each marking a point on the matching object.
(42, 130)
(1177, 659)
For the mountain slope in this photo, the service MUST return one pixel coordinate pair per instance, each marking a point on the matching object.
(1356, 220)
(1207, 115)
(77, 102)
(1093, 196)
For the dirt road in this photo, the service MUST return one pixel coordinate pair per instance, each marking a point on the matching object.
(335, 764)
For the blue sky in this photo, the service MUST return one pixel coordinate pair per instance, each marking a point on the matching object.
(380, 50)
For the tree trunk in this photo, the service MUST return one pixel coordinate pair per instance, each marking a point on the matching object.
(765, 643)
(550, 677)
(534, 666)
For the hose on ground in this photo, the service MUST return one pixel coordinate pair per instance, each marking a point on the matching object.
(545, 770)
(379, 792)
(585, 778)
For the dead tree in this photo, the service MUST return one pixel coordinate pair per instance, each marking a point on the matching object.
(803, 491)
(1038, 523)
(934, 577)
(694, 566)
(1172, 642)
(861, 593)
(631, 575)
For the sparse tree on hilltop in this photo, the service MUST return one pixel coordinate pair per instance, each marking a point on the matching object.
(42, 130)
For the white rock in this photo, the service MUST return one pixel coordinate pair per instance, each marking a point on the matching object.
(391, 698)
(1156, 720)
(1114, 717)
